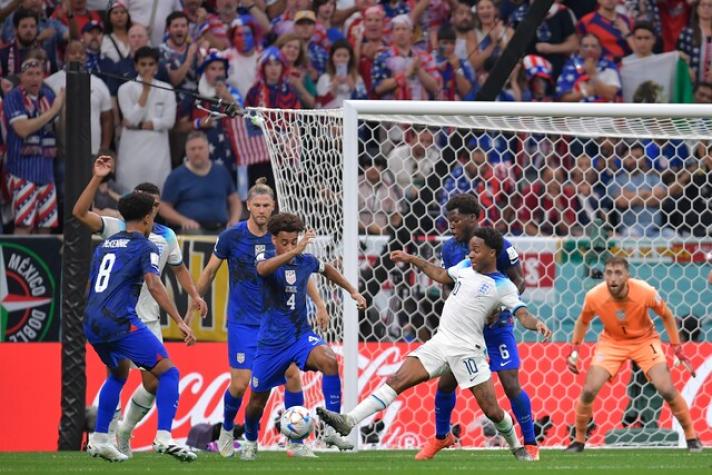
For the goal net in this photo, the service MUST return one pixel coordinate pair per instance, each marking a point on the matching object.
(567, 184)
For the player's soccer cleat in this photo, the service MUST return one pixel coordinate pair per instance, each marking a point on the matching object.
(105, 450)
(694, 445)
(248, 451)
(170, 447)
(226, 443)
(533, 451)
(341, 422)
(435, 445)
(575, 447)
(332, 439)
(521, 454)
(123, 441)
(299, 450)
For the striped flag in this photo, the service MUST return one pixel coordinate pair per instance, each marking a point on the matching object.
(248, 141)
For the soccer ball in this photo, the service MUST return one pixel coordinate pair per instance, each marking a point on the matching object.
(296, 423)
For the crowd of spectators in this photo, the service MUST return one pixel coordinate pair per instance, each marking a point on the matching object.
(318, 53)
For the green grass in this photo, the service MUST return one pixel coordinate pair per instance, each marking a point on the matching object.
(600, 462)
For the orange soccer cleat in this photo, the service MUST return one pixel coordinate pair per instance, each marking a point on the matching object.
(533, 451)
(435, 445)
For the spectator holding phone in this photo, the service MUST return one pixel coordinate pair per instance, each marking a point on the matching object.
(341, 80)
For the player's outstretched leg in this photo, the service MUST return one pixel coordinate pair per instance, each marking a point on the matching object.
(410, 373)
(140, 404)
(99, 444)
(596, 377)
(166, 404)
(444, 404)
(487, 400)
(660, 377)
(522, 408)
(253, 414)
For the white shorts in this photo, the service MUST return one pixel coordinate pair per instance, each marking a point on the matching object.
(469, 366)
(155, 327)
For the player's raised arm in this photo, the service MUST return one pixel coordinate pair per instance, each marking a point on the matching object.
(160, 295)
(435, 272)
(102, 167)
(530, 322)
(268, 266)
(336, 277)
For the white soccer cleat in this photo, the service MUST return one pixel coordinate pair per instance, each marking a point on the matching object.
(248, 451)
(226, 443)
(105, 450)
(295, 449)
(171, 447)
(123, 441)
(332, 439)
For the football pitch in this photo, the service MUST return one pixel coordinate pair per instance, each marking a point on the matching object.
(629, 462)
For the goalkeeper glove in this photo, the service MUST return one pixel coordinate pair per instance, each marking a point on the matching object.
(680, 358)
(572, 360)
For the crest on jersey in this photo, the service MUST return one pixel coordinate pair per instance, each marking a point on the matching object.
(241, 358)
(485, 289)
(290, 276)
(255, 382)
(620, 314)
(313, 340)
(259, 249)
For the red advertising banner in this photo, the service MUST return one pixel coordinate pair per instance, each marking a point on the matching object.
(30, 395)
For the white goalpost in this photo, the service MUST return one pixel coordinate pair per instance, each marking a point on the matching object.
(568, 184)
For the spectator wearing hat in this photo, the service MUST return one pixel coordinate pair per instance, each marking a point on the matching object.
(304, 23)
(588, 77)
(296, 61)
(341, 80)
(403, 73)
(538, 72)
(74, 15)
(243, 56)
(92, 36)
(179, 57)
(459, 80)
(284, 21)
(117, 22)
(149, 113)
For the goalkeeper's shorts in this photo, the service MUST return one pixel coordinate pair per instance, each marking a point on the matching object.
(611, 354)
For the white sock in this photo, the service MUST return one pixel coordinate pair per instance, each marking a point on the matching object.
(115, 421)
(140, 404)
(99, 438)
(506, 429)
(164, 437)
(380, 399)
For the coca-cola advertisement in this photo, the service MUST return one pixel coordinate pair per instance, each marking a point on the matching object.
(407, 423)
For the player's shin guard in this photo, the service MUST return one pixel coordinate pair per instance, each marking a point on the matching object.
(506, 429)
(522, 408)
(444, 404)
(584, 412)
(167, 398)
(681, 411)
(108, 400)
(331, 387)
(140, 404)
(230, 408)
(380, 399)
(292, 399)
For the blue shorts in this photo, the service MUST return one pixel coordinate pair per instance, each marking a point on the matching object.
(271, 363)
(140, 346)
(501, 348)
(241, 345)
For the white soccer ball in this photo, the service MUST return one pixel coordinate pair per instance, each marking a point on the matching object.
(296, 423)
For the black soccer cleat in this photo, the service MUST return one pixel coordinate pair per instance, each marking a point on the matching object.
(694, 446)
(575, 447)
(341, 422)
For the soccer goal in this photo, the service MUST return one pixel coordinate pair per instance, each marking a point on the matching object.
(568, 185)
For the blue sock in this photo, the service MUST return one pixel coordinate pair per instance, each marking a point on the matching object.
(167, 398)
(522, 407)
(252, 428)
(293, 399)
(444, 404)
(331, 387)
(231, 406)
(108, 400)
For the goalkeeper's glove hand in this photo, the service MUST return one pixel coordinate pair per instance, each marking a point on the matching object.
(681, 359)
(572, 360)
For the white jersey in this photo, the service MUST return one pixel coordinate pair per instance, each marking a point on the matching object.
(472, 300)
(169, 252)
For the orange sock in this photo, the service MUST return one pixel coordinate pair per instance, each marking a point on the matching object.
(584, 412)
(679, 409)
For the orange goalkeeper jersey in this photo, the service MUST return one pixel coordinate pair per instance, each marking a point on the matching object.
(625, 320)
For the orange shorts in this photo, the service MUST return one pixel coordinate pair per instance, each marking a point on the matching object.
(610, 355)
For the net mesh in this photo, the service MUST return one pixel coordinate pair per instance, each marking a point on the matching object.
(567, 192)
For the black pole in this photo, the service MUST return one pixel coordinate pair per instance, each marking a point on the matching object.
(76, 255)
(515, 50)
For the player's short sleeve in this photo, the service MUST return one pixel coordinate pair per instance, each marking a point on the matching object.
(149, 258)
(588, 311)
(175, 256)
(507, 258)
(314, 264)
(222, 248)
(111, 226)
(509, 297)
(655, 301)
(455, 271)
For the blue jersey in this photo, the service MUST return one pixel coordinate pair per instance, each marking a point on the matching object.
(454, 251)
(240, 247)
(285, 302)
(117, 271)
